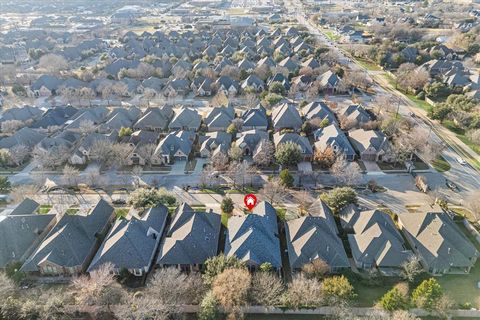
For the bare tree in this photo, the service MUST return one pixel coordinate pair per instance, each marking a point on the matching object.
(100, 288)
(230, 288)
(86, 127)
(304, 292)
(23, 191)
(149, 94)
(267, 289)
(51, 158)
(273, 191)
(109, 154)
(147, 151)
(411, 268)
(19, 153)
(220, 99)
(70, 175)
(346, 173)
(409, 76)
(219, 161)
(264, 154)
(53, 63)
(11, 126)
(87, 94)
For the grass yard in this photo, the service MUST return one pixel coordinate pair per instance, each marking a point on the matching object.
(281, 213)
(422, 104)
(441, 165)
(44, 209)
(332, 36)
(225, 219)
(463, 288)
(121, 213)
(367, 64)
(71, 211)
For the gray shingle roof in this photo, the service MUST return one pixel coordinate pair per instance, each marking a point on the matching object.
(310, 238)
(72, 239)
(18, 233)
(254, 238)
(332, 136)
(131, 244)
(440, 243)
(376, 240)
(191, 239)
(286, 116)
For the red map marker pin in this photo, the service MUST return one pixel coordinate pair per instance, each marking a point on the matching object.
(250, 201)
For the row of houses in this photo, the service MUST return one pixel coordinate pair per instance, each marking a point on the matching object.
(174, 133)
(62, 246)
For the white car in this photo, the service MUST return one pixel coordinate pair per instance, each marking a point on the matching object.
(461, 161)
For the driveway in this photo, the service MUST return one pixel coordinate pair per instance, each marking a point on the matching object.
(371, 166)
(178, 167)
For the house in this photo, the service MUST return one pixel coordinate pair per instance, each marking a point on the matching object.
(95, 116)
(132, 243)
(315, 237)
(177, 87)
(253, 238)
(302, 82)
(250, 139)
(21, 231)
(355, 114)
(191, 239)
(246, 65)
(46, 85)
(214, 142)
(255, 118)
(55, 117)
(24, 137)
(227, 85)
(330, 82)
(441, 246)
(371, 145)
(175, 146)
(25, 114)
(311, 63)
(219, 118)
(254, 83)
(286, 116)
(280, 78)
(69, 247)
(81, 154)
(290, 64)
(333, 137)
(185, 119)
(120, 118)
(154, 119)
(301, 141)
(318, 110)
(139, 142)
(375, 241)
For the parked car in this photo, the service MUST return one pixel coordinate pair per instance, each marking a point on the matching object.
(452, 186)
(461, 161)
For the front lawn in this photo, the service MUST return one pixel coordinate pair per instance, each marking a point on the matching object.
(391, 166)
